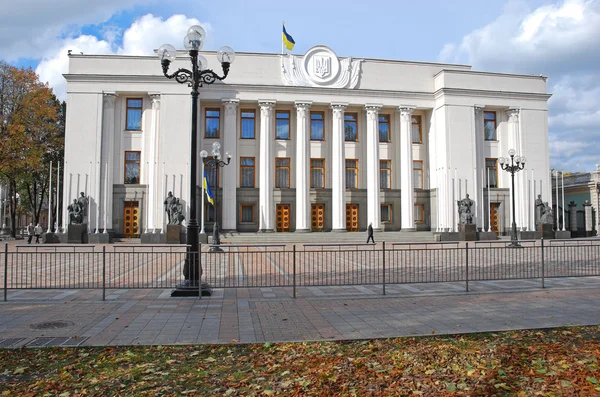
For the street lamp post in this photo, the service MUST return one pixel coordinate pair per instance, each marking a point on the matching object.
(195, 79)
(215, 162)
(516, 164)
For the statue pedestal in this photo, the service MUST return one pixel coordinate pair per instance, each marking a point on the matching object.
(50, 238)
(76, 233)
(153, 238)
(559, 234)
(467, 232)
(174, 234)
(487, 236)
(546, 230)
(529, 235)
(99, 238)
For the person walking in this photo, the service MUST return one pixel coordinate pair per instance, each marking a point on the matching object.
(30, 231)
(370, 233)
(38, 232)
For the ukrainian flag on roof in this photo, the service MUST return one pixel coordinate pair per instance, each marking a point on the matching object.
(287, 39)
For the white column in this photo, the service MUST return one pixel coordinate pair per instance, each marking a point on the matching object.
(480, 169)
(373, 199)
(154, 204)
(109, 130)
(265, 180)
(230, 172)
(406, 169)
(50, 202)
(515, 143)
(338, 166)
(302, 167)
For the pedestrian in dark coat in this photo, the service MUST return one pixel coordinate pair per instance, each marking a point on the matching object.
(370, 233)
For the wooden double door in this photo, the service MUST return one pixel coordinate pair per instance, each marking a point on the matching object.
(352, 217)
(283, 217)
(131, 219)
(495, 217)
(317, 217)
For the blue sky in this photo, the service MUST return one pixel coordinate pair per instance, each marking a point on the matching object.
(559, 39)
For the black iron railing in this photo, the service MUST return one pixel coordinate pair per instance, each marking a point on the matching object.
(281, 265)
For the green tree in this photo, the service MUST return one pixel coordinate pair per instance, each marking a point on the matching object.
(31, 133)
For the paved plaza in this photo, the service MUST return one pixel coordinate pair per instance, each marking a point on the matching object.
(145, 317)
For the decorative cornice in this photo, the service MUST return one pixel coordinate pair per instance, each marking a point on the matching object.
(491, 94)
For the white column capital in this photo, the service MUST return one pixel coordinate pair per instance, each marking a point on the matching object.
(513, 114)
(231, 106)
(478, 109)
(372, 110)
(155, 101)
(266, 105)
(109, 100)
(406, 111)
(302, 107)
(338, 109)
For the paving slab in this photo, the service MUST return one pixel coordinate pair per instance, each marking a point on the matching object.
(34, 318)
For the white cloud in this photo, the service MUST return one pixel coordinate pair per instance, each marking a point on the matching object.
(29, 27)
(148, 33)
(144, 35)
(561, 41)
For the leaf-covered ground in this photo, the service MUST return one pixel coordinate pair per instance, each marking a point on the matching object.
(558, 362)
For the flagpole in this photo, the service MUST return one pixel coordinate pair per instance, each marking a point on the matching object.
(202, 202)
(282, 25)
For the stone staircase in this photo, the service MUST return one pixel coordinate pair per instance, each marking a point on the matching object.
(323, 238)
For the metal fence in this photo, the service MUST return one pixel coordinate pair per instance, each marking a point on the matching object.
(281, 265)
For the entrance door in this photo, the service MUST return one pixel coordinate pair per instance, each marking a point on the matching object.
(317, 217)
(131, 216)
(495, 217)
(283, 217)
(352, 217)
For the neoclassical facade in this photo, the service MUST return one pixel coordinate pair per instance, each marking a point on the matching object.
(317, 143)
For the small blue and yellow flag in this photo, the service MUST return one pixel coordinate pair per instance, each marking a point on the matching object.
(206, 187)
(287, 39)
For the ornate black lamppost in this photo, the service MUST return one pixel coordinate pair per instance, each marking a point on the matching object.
(516, 164)
(215, 162)
(195, 79)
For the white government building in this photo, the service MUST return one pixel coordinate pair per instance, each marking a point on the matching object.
(317, 143)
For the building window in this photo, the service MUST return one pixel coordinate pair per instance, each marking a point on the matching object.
(351, 174)
(384, 128)
(491, 167)
(282, 172)
(282, 124)
(386, 213)
(317, 173)
(350, 128)
(316, 126)
(134, 114)
(248, 124)
(489, 125)
(246, 213)
(419, 213)
(385, 174)
(247, 171)
(418, 174)
(132, 167)
(417, 131)
(212, 122)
